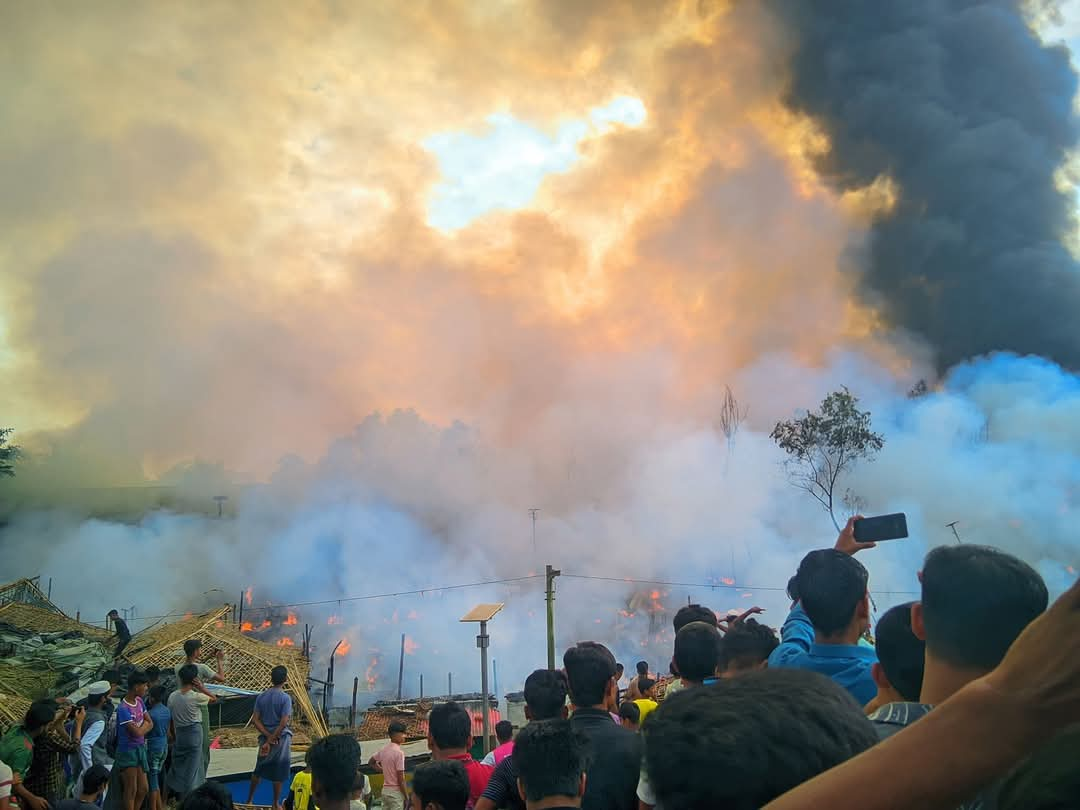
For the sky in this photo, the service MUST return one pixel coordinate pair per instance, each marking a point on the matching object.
(417, 268)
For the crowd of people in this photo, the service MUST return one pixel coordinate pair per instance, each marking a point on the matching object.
(967, 698)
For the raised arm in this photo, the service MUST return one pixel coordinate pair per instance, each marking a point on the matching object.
(974, 736)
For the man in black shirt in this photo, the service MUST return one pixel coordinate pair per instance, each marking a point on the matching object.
(545, 699)
(123, 635)
(614, 752)
(552, 759)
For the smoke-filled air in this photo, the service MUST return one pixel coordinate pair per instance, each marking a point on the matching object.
(388, 276)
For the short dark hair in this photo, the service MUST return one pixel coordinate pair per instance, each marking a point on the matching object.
(396, 727)
(545, 693)
(589, 667)
(208, 796)
(115, 613)
(443, 782)
(645, 684)
(158, 693)
(619, 667)
(550, 757)
(94, 779)
(1047, 780)
(504, 731)
(192, 646)
(744, 741)
(188, 673)
(746, 645)
(111, 675)
(153, 672)
(450, 725)
(901, 653)
(692, 613)
(628, 710)
(976, 600)
(278, 675)
(697, 650)
(334, 761)
(831, 585)
(793, 588)
(642, 667)
(135, 677)
(40, 714)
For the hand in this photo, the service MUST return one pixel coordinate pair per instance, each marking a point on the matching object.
(37, 803)
(846, 542)
(1041, 670)
(219, 655)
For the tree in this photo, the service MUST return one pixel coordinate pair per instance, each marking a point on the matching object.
(731, 416)
(9, 453)
(824, 446)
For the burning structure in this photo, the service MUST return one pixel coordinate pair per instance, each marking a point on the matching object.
(247, 661)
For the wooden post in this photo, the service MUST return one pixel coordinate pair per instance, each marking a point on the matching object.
(449, 684)
(240, 618)
(352, 711)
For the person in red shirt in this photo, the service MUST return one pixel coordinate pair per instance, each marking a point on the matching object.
(449, 738)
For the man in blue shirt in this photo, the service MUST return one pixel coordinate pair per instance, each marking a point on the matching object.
(830, 615)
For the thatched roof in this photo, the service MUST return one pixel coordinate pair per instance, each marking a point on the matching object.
(247, 662)
(42, 620)
(27, 592)
(12, 711)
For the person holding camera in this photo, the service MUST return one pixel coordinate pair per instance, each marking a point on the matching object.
(46, 778)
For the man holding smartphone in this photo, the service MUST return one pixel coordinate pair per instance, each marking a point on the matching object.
(822, 631)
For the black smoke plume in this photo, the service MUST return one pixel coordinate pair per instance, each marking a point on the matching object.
(971, 115)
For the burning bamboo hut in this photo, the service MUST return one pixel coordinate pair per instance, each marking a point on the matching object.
(247, 661)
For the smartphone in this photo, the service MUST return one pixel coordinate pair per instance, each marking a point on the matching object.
(883, 527)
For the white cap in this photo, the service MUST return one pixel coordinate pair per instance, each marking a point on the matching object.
(99, 688)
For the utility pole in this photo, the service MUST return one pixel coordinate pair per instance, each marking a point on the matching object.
(401, 667)
(956, 534)
(550, 574)
(533, 513)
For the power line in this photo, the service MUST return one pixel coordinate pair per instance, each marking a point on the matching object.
(419, 591)
(732, 587)
(460, 586)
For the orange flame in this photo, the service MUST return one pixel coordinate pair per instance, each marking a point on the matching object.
(247, 595)
(654, 595)
(369, 673)
(728, 580)
(188, 615)
(334, 620)
(290, 620)
(265, 624)
(344, 647)
(285, 642)
(413, 615)
(246, 627)
(411, 646)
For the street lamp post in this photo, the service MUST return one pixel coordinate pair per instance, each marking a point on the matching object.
(484, 613)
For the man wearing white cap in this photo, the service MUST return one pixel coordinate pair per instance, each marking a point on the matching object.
(92, 750)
